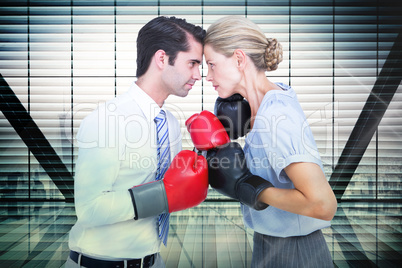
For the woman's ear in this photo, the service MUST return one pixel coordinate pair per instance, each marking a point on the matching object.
(241, 58)
(160, 58)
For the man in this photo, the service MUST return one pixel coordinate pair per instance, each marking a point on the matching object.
(130, 171)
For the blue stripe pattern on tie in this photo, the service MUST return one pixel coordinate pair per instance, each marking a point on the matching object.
(163, 164)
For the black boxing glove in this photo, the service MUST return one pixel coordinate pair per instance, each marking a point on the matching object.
(234, 113)
(230, 176)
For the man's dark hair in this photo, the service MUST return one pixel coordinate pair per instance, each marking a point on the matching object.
(168, 34)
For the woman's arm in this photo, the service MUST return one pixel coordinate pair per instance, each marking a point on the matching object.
(311, 197)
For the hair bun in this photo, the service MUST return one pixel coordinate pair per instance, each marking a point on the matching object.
(273, 54)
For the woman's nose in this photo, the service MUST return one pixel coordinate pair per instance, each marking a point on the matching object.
(209, 77)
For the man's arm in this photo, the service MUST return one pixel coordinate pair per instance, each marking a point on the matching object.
(96, 202)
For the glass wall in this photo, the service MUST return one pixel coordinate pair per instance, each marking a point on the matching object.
(61, 59)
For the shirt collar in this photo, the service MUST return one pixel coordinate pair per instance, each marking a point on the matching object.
(148, 106)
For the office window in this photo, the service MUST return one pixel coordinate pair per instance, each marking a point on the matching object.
(61, 59)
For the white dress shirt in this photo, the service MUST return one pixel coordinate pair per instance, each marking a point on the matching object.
(117, 150)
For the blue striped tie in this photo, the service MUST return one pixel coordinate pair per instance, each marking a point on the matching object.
(163, 164)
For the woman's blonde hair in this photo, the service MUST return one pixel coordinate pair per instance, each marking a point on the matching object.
(236, 32)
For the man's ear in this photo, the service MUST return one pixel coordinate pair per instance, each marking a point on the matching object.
(241, 58)
(161, 58)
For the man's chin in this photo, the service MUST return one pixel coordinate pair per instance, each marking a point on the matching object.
(182, 93)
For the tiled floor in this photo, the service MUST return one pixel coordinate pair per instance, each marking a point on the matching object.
(35, 234)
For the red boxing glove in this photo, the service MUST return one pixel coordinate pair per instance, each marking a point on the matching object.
(184, 185)
(206, 131)
(186, 181)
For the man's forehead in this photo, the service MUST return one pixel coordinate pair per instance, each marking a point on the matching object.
(193, 54)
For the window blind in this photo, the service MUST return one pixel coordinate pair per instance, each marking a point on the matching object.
(63, 58)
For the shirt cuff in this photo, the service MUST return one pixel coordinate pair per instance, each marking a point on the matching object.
(297, 158)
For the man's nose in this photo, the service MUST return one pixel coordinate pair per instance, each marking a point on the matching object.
(197, 74)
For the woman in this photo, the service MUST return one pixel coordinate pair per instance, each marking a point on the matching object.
(279, 148)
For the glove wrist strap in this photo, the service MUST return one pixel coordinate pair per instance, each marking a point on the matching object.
(149, 199)
(250, 189)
